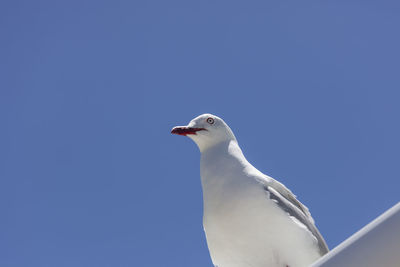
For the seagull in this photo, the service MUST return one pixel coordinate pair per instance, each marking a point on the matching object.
(250, 219)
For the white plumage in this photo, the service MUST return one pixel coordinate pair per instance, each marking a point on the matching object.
(250, 219)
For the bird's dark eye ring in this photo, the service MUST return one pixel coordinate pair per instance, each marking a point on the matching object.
(210, 120)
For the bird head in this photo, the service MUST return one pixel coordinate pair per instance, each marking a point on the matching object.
(206, 131)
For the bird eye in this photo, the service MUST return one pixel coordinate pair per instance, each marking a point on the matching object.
(210, 120)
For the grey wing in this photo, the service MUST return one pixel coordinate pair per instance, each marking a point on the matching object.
(287, 201)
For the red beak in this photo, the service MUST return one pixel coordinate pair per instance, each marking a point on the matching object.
(183, 130)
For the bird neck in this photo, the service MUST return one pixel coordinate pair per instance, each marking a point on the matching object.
(223, 149)
(222, 158)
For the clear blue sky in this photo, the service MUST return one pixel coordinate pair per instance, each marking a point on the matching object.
(89, 90)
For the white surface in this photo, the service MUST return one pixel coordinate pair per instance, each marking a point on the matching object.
(250, 219)
(375, 245)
